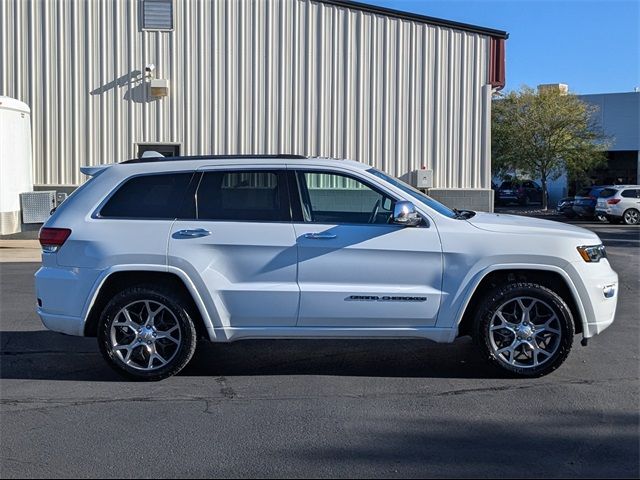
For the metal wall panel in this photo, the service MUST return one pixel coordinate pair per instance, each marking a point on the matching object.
(252, 76)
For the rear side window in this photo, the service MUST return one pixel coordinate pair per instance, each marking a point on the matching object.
(149, 196)
(630, 193)
(260, 195)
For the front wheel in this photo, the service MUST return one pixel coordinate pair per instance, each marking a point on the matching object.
(525, 329)
(146, 333)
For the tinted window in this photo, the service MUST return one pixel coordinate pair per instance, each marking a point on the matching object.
(608, 192)
(584, 192)
(335, 198)
(243, 196)
(149, 196)
(630, 193)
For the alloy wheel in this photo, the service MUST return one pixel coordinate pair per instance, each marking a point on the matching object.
(145, 335)
(524, 332)
(631, 217)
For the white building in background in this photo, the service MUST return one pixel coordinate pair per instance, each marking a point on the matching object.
(107, 80)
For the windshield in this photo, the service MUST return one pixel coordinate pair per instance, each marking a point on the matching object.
(415, 193)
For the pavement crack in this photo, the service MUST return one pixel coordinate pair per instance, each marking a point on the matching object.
(503, 388)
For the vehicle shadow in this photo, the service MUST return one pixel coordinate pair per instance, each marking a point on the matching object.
(358, 358)
(45, 355)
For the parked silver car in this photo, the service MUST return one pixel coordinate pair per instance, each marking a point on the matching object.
(620, 203)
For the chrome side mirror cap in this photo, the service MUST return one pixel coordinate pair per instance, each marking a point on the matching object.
(404, 213)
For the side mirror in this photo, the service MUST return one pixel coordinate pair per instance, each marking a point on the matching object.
(404, 213)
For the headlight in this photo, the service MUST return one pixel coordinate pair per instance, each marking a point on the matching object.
(593, 253)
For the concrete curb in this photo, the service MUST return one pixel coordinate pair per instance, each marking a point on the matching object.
(19, 244)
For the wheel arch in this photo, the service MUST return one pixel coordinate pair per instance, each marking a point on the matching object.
(122, 277)
(549, 276)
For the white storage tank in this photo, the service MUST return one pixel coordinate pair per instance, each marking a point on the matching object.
(15, 161)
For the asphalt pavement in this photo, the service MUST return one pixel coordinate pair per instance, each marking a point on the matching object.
(320, 408)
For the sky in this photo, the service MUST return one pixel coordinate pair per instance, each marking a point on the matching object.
(593, 46)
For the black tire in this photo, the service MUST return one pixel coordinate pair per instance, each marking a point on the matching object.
(525, 201)
(175, 304)
(503, 294)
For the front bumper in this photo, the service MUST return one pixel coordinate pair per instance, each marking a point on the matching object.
(598, 287)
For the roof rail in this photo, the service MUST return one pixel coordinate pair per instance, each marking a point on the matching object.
(214, 157)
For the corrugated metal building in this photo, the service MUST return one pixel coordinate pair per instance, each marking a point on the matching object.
(313, 77)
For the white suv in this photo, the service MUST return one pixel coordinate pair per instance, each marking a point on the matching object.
(620, 203)
(149, 255)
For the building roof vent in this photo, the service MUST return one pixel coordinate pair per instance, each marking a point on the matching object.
(157, 14)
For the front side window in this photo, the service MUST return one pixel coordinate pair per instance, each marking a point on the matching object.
(149, 196)
(335, 198)
(243, 196)
(416, 194)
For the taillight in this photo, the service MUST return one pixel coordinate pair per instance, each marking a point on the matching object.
(613, 201)
(52, 239)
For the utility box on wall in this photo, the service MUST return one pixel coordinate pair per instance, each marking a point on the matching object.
(423, 178)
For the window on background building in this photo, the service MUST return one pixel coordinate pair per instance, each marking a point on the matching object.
(157, 14)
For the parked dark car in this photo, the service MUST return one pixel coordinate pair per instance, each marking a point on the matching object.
(519, 191)
(584, 204)
(565, 207)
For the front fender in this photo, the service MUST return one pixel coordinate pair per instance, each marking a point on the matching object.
(455, 304)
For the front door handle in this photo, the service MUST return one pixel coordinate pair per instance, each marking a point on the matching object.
(319, 236)
(193, 233)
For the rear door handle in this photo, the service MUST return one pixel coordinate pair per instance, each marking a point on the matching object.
(319, 236)
(193, 233)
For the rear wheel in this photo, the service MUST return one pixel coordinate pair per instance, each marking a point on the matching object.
(525, 329)
(631, 216)
(146, 333)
